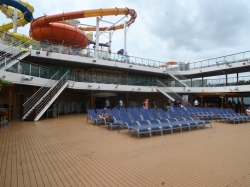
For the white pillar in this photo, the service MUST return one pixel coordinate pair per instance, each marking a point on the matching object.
(15, 20)
(125, 38)
(110, 38)
(97, 38)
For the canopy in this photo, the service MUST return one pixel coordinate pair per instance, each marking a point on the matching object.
(172, 63)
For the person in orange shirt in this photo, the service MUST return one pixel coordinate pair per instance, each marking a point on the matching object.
(146, 103)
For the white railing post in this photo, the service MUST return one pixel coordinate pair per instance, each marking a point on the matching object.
(97, 38)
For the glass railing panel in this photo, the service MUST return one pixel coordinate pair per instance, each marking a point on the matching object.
(44, 73)
(104, 80)
(109, 80)
(212, 62)
(222, 82)
(132, 60)
(139, 61)
(191, 66)
(25, 68)
(87, 78)
(216, 82)
(205, 63)
(231, 81)
(220, 61)
(229, 58)
(238, 57)
(197, 65)
(246, 55)
(34, 71)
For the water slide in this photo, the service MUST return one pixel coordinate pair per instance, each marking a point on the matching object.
(24, 13)
(50, 28)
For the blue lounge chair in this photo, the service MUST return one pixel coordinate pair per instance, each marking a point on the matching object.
(134, 127)
(173, 121)
(136, 117)
(93, 117)
(227, 118)
(198, 121)
(180, 117)
(165, 122)
(164, 126)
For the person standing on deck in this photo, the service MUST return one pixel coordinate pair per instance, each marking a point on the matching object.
(107, 104)
(146, 103)
(248, 111)
(120, 104)
(153, 105)
(196, 103)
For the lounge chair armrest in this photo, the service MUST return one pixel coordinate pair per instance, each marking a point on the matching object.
(136, 123)
(146, 122)
(157, 120)
(173, 119)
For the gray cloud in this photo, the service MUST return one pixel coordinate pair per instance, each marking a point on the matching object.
(169, 30)
(199, 26)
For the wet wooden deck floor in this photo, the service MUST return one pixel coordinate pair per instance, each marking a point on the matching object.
(67, 151)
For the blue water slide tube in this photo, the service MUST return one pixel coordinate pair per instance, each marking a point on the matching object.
(16, 4)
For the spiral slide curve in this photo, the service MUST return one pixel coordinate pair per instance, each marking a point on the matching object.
(25, 14)
(49, 27)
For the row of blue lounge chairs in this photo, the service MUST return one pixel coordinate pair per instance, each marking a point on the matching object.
(144, 121)
(226, 115)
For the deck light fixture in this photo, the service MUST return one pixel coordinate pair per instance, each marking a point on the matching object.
(27, 78)
(2, 77)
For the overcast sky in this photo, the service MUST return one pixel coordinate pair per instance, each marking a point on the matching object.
(167, 30)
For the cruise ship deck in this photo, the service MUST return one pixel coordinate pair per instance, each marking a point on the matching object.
(67, 151)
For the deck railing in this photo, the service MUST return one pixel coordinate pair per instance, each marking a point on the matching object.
(106, 54)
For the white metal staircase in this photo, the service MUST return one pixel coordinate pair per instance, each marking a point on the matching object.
(168, 92)
(13, 54)
(35, 107)
(180, 78)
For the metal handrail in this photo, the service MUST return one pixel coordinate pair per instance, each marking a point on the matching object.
(181, 78)
(170, 92)
(44, 100)
(13, 47)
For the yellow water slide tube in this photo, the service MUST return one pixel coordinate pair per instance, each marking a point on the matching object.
(7, 7)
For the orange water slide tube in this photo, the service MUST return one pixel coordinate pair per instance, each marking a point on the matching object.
(48, 28)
